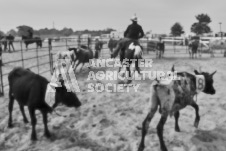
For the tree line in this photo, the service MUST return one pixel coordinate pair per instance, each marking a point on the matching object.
(23, 30)
(200, 27)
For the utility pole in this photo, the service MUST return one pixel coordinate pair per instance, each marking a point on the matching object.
(53, 25)
(220, 30)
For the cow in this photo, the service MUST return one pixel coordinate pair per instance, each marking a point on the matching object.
(29, 89)
(83, 55)
(174, 96)
(30, 40)
(66, 55)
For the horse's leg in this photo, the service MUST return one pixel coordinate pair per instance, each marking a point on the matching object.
(119, 69)
(129, 77)
(137, 66)
(197, 118)
(146, 122)
(160, 131)
(176, 116)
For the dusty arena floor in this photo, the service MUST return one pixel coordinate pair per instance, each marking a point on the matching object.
(108, 121)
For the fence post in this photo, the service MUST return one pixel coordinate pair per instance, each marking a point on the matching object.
(22, 55)
(37, 59)
(174, 45)
(66, 43)
(50, 61)
(2, 86)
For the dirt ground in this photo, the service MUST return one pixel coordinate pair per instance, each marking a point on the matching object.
(107, 121)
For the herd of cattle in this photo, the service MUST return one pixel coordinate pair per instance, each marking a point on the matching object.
(29, 89)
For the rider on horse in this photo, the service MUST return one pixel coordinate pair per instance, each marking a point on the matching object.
(132, 34)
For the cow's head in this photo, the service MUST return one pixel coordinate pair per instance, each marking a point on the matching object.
(209, 89)
(62, 95)
(73, 49)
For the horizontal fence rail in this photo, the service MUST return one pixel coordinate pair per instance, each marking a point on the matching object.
(41, 59)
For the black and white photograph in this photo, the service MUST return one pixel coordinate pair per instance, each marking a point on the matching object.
(112, 75)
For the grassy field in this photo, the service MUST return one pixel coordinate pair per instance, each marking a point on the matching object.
(107, 121)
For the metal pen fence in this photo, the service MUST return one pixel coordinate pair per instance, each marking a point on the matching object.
(41, 60)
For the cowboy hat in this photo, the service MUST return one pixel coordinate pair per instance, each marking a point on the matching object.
(134, 18)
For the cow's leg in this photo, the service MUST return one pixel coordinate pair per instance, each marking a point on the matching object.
(146, 122)
(55, 104)
(10, 107)
(45, 120)
(76, 65)
(160, 131)
(33, 123)
(197, 118)
(82, 66)
(23, 113)
(176, 116)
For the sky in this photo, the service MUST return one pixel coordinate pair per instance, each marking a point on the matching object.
(155, 15)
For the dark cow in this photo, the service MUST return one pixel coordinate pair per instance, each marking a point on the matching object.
(111, 45)
(160, 49)
(193, 48)
(30, 40)
(83, 55)
(29, 89)
(174, 97)
(98, 47)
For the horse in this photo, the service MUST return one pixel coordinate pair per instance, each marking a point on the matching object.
(131, 50)
(111, 45)
(30, 40)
